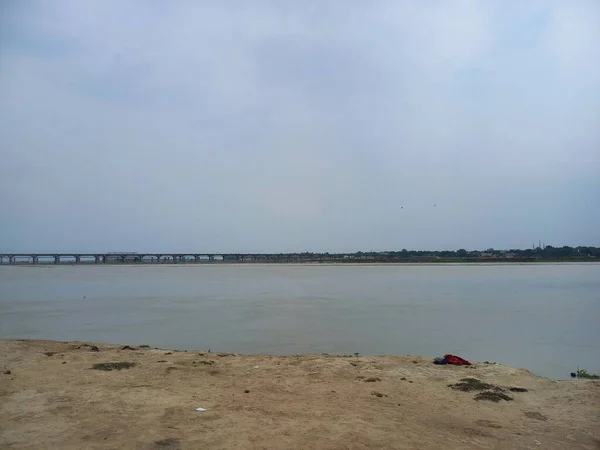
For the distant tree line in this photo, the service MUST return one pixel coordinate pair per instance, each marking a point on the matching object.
(547, 252)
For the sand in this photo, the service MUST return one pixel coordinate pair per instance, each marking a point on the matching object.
(53, 399)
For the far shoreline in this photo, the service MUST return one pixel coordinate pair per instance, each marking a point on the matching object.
(317, 263)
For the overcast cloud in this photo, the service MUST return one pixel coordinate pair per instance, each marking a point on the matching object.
(248, 126)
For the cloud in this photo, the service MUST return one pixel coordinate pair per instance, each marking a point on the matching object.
(572, 38)
(291, 126)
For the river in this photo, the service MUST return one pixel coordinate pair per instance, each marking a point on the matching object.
(542, 317)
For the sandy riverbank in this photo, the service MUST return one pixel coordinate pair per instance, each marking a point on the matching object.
(53, 399)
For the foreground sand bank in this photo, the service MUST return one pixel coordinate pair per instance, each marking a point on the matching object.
(51, 398)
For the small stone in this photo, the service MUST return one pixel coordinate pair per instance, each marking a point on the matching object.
(403, 378)
(64, 362)
(128, 347)
(94, 348)
(7, 372)
(246, 391)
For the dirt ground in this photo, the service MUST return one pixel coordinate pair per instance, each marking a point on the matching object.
(53, 399)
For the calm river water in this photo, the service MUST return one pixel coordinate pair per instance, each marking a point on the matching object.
(543, 317)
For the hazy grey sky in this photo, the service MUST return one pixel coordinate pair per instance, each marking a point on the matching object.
(298, 125)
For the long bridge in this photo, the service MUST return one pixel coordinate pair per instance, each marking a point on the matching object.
(215, 258)
(164, 258)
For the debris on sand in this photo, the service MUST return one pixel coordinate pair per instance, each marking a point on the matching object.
(113, 366)
(90, 347)
(536, 415)
(489, 391)
(517, 389)
(472, 384)
(378, 394)
(493, 396)
(372, 380)
(172, 443)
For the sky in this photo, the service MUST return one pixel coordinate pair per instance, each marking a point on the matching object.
(282, 126)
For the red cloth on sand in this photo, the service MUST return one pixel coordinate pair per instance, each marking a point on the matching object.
(456, 360)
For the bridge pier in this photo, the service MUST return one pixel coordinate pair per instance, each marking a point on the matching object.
(77, 259)
(56, 259)
(35, 259)
(11, 259)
